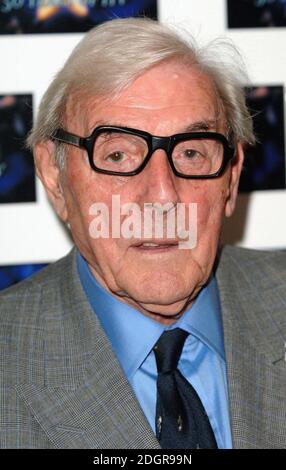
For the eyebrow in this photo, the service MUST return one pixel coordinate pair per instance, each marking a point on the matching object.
(204, 125)
(201, 126)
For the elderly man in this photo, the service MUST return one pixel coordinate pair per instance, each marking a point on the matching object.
(141, 338)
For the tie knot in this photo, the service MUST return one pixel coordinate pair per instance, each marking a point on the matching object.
(168, 349)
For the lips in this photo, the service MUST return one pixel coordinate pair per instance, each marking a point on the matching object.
(155, 244)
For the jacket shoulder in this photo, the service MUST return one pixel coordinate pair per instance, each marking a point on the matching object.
(268, 262)
(25, 296)
(26, 311)
(252, 288)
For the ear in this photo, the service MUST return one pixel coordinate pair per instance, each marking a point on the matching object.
(49, 173)
(236, 167)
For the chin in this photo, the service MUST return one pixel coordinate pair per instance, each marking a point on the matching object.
(157, 296)
(170, 310)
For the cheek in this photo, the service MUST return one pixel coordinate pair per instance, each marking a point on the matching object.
(89, 198)
(79, 197)
(210, 197)
(83, 186)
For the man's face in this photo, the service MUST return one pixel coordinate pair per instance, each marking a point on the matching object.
(168, 99)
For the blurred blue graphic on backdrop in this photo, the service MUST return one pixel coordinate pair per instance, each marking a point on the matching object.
(10, 275)
(17, 174)
(264, 166)
(67, 16)
(256, 13)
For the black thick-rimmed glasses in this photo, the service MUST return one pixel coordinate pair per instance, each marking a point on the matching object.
(125, 151)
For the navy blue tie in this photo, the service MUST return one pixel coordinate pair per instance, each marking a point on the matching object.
(181, 420)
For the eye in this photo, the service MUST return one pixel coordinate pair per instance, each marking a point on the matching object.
(191, 153)
(115, 157)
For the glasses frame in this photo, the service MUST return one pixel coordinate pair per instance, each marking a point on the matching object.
(153, 142)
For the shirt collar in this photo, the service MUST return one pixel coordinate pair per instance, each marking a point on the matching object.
(203, 318)
(133, 334)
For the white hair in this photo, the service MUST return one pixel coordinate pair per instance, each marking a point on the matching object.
(115, 53)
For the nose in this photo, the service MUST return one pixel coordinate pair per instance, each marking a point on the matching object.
(161, 183)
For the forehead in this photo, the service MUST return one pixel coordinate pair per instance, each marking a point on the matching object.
(167, 94)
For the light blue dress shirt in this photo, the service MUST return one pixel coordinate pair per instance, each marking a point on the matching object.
(133, 336)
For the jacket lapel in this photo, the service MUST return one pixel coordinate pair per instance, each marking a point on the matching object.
(86, 401)
(255, 357)
(89, 416)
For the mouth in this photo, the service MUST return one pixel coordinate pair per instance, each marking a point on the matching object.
(155, 245)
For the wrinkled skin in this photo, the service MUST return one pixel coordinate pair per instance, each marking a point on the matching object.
(168, 99)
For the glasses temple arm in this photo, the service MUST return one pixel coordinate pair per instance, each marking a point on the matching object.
(67, 138)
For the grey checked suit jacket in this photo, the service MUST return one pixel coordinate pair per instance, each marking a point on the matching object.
(61, 385)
